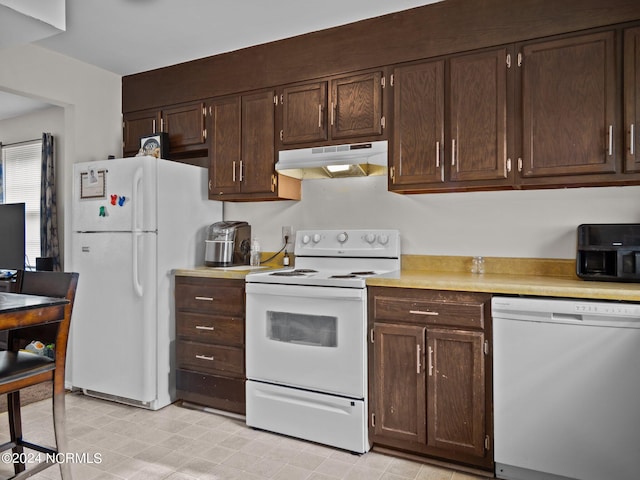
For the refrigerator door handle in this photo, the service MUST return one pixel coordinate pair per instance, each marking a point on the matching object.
(136, 215)
(137, 286)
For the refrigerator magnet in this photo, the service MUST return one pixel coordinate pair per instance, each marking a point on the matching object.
(92, 184)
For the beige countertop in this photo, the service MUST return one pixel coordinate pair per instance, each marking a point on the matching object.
(512, 276)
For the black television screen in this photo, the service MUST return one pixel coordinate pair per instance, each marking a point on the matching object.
(12, 236)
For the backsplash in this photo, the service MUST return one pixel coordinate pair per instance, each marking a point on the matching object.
(526, 223)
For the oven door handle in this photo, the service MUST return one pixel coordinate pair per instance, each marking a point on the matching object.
(320, 293)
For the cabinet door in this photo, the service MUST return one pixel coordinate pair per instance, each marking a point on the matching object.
(399, 382)
(304, 113)
(568, 106)
(477, 143)
(224, 147)
(258, 155)
(356, 105)
(418, 129)
(632, 98)
(456, 390)
(136, 125)
(185, 125)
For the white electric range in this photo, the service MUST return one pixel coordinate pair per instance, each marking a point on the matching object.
(306, 358)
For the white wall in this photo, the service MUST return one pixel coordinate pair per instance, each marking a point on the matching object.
(531, 224)
(92, 103)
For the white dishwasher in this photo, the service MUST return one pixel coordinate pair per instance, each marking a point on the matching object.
(566, 389)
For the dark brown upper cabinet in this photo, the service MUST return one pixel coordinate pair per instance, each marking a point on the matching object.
(356, 105)
(241, 147)
(450, 123)
(418, 126)
(631, 64)
(136, 125)
(184, 123)
(477, 102)
(299, 124)
(334, 110)
(568, 92)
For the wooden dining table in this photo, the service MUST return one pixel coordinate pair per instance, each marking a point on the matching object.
(19, 311)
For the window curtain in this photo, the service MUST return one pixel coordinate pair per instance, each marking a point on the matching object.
(48, 208)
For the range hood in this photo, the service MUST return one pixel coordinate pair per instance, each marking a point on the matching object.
(334, 161)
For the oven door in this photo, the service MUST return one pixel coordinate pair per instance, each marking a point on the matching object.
(307, 337)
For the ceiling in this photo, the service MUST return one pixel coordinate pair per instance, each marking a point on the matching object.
(131, 36)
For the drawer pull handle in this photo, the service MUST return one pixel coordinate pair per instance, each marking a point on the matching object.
(208, 299)
(204, 327)
(205, 357)
(423, 312)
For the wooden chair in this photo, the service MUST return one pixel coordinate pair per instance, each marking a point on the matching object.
(20, 369)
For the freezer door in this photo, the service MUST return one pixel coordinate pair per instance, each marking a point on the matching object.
(113, 337)
(115, 195)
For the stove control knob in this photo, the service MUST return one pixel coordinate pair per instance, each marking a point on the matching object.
(305, 239)
(343, 237)
(370, 238)
(316, 237)
(383, 239)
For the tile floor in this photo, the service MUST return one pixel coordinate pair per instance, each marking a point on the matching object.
(177, 443)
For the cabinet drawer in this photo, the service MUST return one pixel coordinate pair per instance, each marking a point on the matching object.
(415, 310)
(210, 296)
(211, 390)
(210, 329)
(209, 358)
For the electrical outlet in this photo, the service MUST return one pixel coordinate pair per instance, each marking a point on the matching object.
(287, 232)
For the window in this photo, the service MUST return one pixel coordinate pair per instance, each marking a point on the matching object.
(20, 176)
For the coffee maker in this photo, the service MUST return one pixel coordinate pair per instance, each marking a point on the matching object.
(228, 243)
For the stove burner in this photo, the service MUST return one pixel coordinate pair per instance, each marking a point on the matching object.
(294, 273)
(369, 272)
(348, 275)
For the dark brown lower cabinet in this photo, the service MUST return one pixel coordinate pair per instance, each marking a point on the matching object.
(210, 342)
(430, 374)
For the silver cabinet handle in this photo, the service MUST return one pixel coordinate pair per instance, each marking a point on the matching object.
(453, 152)
(241, 172)
(430, 350)
(204, 327)
(205, 357)
(234, 171)
(154, 125)
(319, 116)
(333, 112)
(418, 365)
(207, 299)
(423, 312)
(438, 154)
(610, 140)
(632, 139)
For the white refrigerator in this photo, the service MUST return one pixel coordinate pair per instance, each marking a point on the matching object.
(134, 220)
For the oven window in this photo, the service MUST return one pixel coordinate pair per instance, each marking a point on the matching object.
(316, 330)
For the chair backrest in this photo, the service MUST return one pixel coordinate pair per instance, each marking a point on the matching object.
(48, 284)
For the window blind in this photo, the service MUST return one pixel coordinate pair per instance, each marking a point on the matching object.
(21, 181)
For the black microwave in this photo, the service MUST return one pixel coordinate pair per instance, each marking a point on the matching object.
(609, 252)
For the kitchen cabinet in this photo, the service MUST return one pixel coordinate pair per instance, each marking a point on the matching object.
(450, 123)
(430, 374)
(210, 319)
(242, 165)
(136, 125)
(568, 94)
(339, 108)
(299, 103)
(185, 124)
(631, 65)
